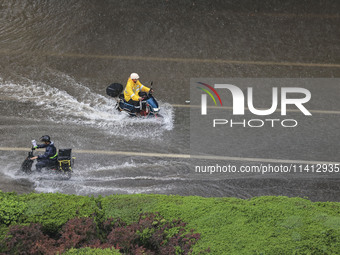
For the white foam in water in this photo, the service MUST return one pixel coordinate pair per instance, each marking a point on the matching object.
(95, 178)
(84, 183)
(85, 109)
(96, 172)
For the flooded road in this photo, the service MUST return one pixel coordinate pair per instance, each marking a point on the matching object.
(58, 57)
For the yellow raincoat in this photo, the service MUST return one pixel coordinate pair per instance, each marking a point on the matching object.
(132, 89)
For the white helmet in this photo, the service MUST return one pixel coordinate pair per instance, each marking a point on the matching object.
(134, 76)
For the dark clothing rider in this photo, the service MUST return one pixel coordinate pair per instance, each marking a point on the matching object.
(49, 158)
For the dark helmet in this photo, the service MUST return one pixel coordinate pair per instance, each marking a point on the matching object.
(45, 138)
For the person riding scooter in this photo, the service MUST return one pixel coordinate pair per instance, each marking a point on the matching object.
(134, 89)
(49, 158)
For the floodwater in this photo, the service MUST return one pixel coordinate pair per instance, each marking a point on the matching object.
(58, 57)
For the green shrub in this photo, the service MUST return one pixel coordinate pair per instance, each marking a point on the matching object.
(89, 251)
(152, 234)
(261, 225)
(54, 210)
(11, 208)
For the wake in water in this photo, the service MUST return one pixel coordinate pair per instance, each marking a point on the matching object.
(94, 178)
(84, 119)
(72, 103)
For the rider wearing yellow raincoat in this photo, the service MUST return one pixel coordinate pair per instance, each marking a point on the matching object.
(133, 88)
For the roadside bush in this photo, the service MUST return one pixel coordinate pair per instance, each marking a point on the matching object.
(152, 234)
(54, 210)
(79, 232)
(260, 225)
(10, 209)
(165, 237)
(28, 240)
(123, 237)
(90, 251)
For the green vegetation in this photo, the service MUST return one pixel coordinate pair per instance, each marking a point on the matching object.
(89, 251)
(10, 208)
(261, 225)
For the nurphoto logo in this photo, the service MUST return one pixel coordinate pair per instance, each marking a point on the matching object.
(295, 96)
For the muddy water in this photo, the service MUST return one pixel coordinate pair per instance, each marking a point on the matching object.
(57, 57)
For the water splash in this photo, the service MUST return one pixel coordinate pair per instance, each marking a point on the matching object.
(75, 104)
(99, 179)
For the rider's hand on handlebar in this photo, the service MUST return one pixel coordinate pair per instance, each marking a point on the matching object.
(151, 91)
(34, 158)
